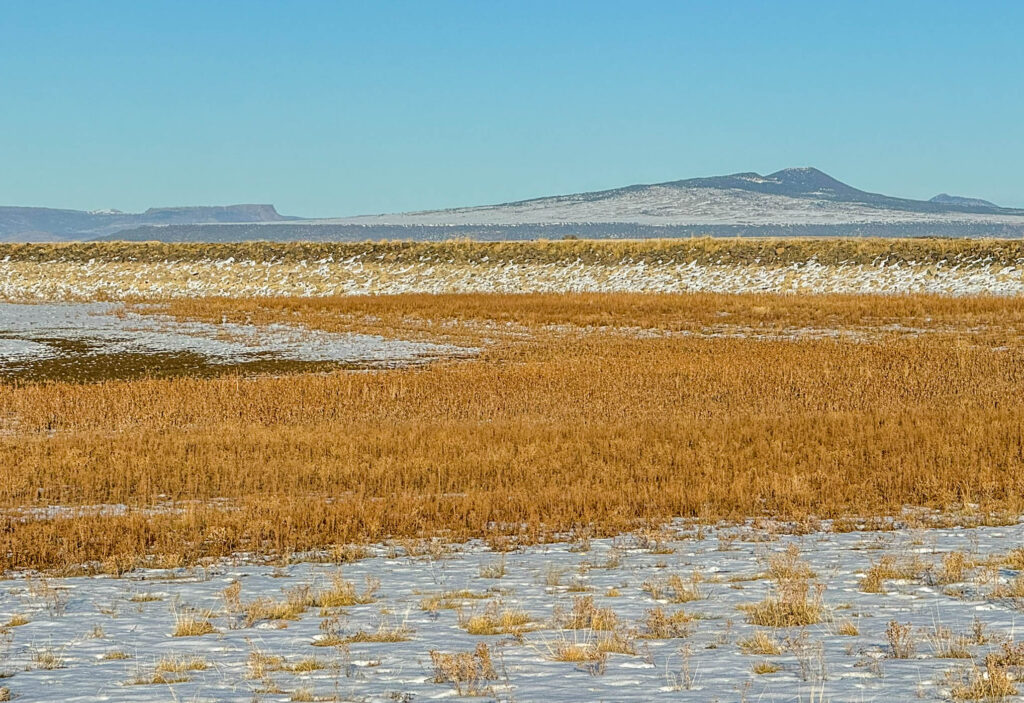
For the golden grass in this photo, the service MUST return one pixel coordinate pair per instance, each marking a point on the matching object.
(563, 650)
(585, 615)
(381, 634)
(468, 672)
(761, 642)
(579, 425)
(342, 593)
(770, 251)
(192, 625)
(793, 601)
(450, 600)
(495, 620)
(659, 625)
(674, 589)
(616, 642)
(993, 683)
(174, 664)
(889, 567)
(848, 628)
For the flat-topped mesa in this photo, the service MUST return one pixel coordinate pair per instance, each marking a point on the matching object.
(215, 213)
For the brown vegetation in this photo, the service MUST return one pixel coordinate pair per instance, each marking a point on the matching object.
(705, 250)
(578, 423)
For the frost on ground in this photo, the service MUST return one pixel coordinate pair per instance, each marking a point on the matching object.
(363, 275)
(691, 613)
(99, 335)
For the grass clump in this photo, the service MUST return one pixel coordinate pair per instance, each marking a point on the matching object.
(585, 615)
(468, 672)
(496, 620)
(674, 589)
(901, 640)
(342, 593)
(848, 628)
(993, 683)
(177, 664)
(792, 604)
(296, 602)
(889, 568)
(761, 642)
(450, 600)
(575, 650)
(659, 625)
(192, 625)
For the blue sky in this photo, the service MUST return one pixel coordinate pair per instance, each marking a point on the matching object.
(336, 108)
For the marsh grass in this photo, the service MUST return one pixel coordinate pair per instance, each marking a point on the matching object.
(724, 250)
(563, 429)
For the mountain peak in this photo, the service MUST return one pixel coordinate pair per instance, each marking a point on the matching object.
(807, 179)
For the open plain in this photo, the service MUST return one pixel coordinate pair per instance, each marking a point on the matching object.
(735, 470)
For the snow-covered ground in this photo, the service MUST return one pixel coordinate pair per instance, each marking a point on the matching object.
(30, 333)
(103, 638)
(358, 275)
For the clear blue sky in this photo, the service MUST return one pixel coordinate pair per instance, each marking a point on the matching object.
(336, 108)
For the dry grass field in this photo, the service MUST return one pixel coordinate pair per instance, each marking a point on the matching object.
(594, 413)
(653, 477)
(122, 271)
(702, 250)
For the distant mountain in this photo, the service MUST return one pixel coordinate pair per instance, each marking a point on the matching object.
(793, 201)
(947, 199)
(792, 196)
(46, 224)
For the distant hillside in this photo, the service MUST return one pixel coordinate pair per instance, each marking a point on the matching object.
(946, 199)
(790, 202)
(46, 224)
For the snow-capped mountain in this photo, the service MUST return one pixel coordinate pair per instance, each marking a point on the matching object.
(792, 196)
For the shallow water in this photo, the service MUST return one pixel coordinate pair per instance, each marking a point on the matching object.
(101, 341)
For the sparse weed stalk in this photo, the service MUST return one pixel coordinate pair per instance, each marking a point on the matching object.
(674, 589)
(902, 644)
(493, 570)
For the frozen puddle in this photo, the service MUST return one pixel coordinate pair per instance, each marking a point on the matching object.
(85, 341)
(268, 633)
